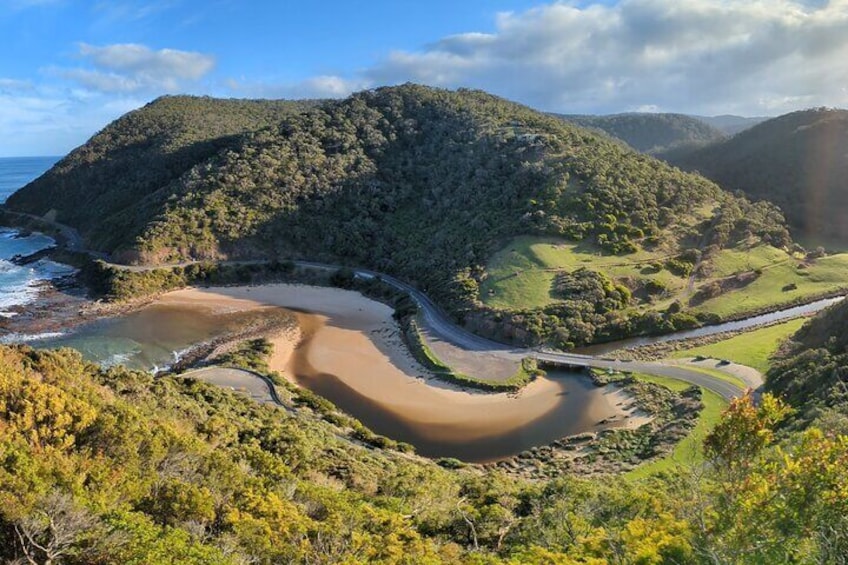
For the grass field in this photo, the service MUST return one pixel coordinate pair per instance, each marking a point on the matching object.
(521, 275)
(824, 275)
(688, 451)
(751, 348)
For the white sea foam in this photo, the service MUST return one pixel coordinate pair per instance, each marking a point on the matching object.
(116, 359)
(19, 284)
(28, 338)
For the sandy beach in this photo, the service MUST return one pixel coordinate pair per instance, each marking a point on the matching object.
(355, 340)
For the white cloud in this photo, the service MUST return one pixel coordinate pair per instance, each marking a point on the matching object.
(136, 68)
(46, 121)
(704, 56)
(323, 86)
(13, 85)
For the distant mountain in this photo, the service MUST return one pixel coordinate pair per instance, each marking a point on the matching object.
(798, 161)
(729, 124)
(650, 133)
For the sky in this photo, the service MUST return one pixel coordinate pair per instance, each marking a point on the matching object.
(70, 67)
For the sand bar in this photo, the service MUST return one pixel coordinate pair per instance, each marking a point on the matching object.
(356, 340)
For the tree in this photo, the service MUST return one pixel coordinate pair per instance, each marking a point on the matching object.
(56, 528)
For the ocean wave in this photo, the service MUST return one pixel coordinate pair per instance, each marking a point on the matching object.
(13, 338)
(122, 358)
(19, 284)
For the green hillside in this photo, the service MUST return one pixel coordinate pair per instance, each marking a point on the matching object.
(418, 182)
(114, 466)
(651, 133)
(812, 371)
(140, 154)
(796, 161)
(730, 124)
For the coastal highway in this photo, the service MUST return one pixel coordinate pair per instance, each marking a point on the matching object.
(437, 322)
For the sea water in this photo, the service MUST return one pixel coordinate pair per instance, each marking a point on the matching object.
(19, 283)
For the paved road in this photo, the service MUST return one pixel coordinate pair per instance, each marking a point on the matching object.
(73, 241)
(441, 325)
(258, 387)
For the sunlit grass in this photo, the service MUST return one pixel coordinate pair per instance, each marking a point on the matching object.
(780, 284)
(521, 274)
(753, 348)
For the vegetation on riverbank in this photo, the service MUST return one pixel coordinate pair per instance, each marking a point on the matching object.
(105, 465)
(119, 284)
(687, 452)
(674, 413)
(417, 344)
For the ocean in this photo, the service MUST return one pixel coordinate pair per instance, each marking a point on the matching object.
(19, 284)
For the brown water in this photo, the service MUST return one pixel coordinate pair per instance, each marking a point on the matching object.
(481, 432)
(485, 431)
(570, 416)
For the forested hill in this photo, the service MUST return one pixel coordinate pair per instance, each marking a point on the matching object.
(144, 151)
(729, 124)
(812, 373)
(419, 182)
(798, 161)
(650, 133)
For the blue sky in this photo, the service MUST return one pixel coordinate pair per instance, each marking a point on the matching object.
(70, 67)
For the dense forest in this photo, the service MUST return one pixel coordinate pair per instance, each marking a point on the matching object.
(144, 151)
(796, 161)
(115, 466)
(650, 133)
(811, 371)
(413, 181)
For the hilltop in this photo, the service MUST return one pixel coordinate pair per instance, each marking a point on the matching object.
(730, 124)
(423, 183)
(142, 152)
(796, 161)
(648, 132)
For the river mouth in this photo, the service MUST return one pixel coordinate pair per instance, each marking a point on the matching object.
(156, 336)
(350, 353)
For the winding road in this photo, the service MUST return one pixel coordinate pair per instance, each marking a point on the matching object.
(440, 324)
